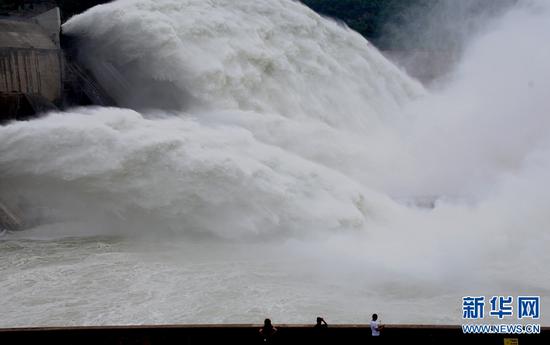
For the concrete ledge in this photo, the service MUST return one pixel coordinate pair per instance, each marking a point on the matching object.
(248, 334)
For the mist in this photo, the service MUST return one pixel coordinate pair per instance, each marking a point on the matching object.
(428, 38)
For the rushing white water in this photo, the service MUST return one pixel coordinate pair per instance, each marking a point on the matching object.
(272, 182)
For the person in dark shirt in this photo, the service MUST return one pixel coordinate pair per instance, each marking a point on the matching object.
(321, 323)
(267, 332)
(320, 331)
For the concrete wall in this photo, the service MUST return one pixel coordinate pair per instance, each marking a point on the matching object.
(30, 56)
(248, 334)
(31, 71)
(50, 21)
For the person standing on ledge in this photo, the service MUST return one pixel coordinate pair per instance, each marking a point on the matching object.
(320, 334)
(375, 326)
(268, 331)
(321, 323)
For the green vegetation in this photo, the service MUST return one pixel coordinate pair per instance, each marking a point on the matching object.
(389, 24)
(29, 7)
(71, 7)
(368, 17)
(371, 17)
(405, 25)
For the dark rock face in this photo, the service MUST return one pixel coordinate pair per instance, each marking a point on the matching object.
(25, 8)
(30, 8)
(71, 7)
(22, 106)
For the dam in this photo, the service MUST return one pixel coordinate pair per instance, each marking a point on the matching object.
(31, 66)
(31, 75)
(38, 74)
(37, 70)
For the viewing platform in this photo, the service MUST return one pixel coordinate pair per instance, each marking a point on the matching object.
(248, 334)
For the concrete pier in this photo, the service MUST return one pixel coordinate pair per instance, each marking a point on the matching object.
(38, 68)
(30, 56)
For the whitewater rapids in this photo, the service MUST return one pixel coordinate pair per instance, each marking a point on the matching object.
(259, 168)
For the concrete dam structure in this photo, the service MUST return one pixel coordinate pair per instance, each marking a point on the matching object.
(31, 66)
(31, 76)
(37, 71)
(248, 334)
(37, 75)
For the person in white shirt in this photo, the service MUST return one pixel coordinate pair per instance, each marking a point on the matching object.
(375, 326)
